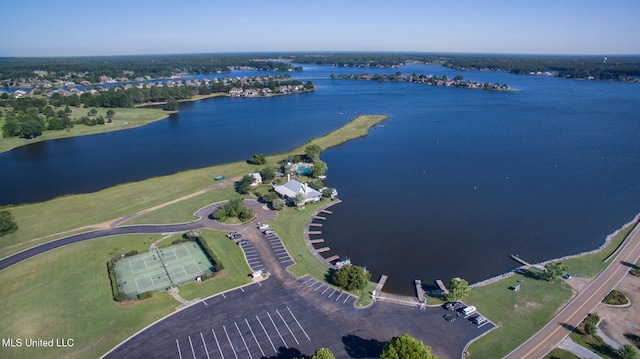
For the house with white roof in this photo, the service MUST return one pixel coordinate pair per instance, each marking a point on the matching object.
(291, 189)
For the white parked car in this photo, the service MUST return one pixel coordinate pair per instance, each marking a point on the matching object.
(262, 226)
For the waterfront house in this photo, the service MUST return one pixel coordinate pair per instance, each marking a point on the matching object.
(291, 189)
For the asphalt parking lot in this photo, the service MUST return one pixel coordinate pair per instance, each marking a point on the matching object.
(287, 319)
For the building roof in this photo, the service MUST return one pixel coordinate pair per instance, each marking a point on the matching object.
(293, 187)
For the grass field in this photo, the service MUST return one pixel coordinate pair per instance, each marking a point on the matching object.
(124, 118)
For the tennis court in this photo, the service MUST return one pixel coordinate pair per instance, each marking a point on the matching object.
(161, 269)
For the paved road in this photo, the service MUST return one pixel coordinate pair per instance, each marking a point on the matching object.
(586, 301)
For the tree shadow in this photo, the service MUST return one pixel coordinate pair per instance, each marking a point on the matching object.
(329, 275)
(287, 353)
(630, 265)
(527, 273)
(357, 347)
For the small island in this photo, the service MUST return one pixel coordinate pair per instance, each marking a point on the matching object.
(428, 79)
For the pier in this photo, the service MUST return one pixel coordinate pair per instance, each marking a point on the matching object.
(314, 232)
(320, 218)
(325, 211)
(381, 282)
(314, 241)
(323, 249)
(442, 287)
(315, 225)
(419, 290)
(517, 258)
(333, 258)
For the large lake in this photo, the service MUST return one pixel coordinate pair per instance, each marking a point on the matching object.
(450, 185)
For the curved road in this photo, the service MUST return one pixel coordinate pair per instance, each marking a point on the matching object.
(573, 313)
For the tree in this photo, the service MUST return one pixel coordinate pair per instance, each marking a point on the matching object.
(10, 127)
(458, 288)
(323, 353)
(312, 152)
(554, 270)
(192, 234)
(8, 224)
(30, 128)
(406, 347)
(278, 204)
(350, 277)
(628, 352)
(318, 169)
(245, 184)
(110, 113)
(171, 105)
(299, 200)
(257, 159)
(268, 173)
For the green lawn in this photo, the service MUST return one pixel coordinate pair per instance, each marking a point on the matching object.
(561, 354)
(518, 314)
(124, 118)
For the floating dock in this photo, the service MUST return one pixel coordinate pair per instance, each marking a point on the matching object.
(320, 218)
(325, 211)
(315, 232)
(333, 258)
(323, 249)
(315, 224)
(313, 241)
(442, 287)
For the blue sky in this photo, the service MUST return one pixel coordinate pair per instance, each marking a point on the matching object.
(122, 27)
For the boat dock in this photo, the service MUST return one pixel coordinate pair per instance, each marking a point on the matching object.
(381, 282)
(325, 211)
(314, 232)
(320, 218)
(315, 224)
(333, 258)
(314, 241)
(442, 287)
(323, 249)
(419, 290)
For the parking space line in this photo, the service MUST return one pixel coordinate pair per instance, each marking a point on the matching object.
(245, 343)
(192, 350)
(179, 352)
(217, 343)
(205, 346)
(320, 286)
(296, 319)
(287, 325)
(332, 293)
(325, 290)
(347, 298)
(314, 282)
(341, 293)
(277, 330)
(230, 344)
(267, 334)
(254, 337)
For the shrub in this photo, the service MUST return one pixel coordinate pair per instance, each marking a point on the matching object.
(131, 253)
(278, 204)
(145, 295)
(616, 298)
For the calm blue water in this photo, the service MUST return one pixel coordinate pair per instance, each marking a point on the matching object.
(451, 184)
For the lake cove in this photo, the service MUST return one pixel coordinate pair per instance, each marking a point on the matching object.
(451, 184)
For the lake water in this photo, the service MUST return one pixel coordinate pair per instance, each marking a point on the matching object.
(450, 185)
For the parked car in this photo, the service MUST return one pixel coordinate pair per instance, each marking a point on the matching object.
(468, 310)
(454, 306)
(268, 232)
(479, 320)
(243, 242)
(234, 235)
(263, 226)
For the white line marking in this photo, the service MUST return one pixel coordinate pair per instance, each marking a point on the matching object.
(332, 293)
(179, 352)
(192, 350)
(242, 289)
(277, 330)
(229, 339)
(217, 343)
(287, 325)
(245, 343)
(205, 303)
(296, 319)
(224, 296)
(346, 299)
(267, 334)
(339, 296)
(254, 337)
(205, 346)
(325, 290)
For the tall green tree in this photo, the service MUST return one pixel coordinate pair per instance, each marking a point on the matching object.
(312, 152)
(318, 169)
(8, 223)
(554, 270)
(458, 289)
(406, 347)
(351, 277)
(323, 353)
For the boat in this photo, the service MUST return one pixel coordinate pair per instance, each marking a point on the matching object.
(219, 178)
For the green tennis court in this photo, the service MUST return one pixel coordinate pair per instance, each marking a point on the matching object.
(161, 269)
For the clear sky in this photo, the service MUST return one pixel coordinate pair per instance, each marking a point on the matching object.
(122, 27)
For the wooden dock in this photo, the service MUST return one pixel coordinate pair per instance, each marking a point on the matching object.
(323, 249)
(333, 258)
(325, 211)
(517, 258)
(419, 290)
(315, 232)
(381, 282)
(314, 241)
(315, 224)
(442, 287)
(320, 218)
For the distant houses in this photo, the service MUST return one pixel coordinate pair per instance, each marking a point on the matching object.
(291, 189)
